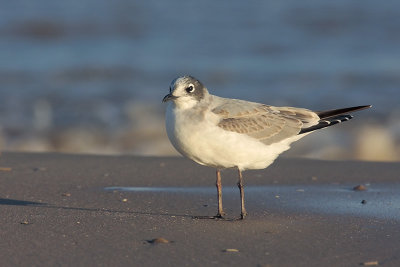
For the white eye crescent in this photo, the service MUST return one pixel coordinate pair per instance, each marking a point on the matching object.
(190, 88)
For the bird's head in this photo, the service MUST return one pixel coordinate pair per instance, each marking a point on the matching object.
(185, 92)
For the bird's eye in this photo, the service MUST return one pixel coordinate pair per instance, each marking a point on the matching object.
(190, 89)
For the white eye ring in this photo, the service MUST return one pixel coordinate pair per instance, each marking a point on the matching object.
(190, 88)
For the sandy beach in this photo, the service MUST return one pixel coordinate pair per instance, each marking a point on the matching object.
(83, 210)
(82, 84)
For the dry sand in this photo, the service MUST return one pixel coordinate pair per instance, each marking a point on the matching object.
(77, 210)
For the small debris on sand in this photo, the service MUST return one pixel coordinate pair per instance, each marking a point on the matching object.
(66, 194)
(36, 169)
(231, 250)
(370, 263)
(5, 169)
(124, 200)
(24, 222)
(159, 240)
(360, 188)
(363, 201)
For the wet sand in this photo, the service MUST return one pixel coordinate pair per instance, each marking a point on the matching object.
(80, 210)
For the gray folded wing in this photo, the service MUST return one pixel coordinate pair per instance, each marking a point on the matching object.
(268, 124)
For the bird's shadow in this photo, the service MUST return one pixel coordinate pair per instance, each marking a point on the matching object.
(16, 202)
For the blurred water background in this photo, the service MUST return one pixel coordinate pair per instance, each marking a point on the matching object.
(88, 76)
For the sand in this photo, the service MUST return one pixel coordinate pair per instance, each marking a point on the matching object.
(81, 210)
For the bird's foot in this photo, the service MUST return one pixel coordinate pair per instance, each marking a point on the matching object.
(219, 216)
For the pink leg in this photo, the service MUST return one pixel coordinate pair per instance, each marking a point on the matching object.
(220, 213)
(243, 212)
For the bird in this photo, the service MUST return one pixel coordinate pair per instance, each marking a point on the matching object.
(231, 133)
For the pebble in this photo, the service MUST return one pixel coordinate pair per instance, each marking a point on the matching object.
(370, 263)
(159, 240)
(360, 188)
(231, 250)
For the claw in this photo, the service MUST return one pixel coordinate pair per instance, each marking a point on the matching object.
(220, 215)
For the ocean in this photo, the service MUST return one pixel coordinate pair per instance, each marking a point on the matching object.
(88, 76)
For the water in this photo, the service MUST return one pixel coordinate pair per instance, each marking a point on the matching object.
(89, 76)
(381, 201)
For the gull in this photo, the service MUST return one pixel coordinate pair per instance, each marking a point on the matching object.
(231, 133)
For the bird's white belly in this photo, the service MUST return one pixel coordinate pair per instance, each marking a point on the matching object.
(207, 144)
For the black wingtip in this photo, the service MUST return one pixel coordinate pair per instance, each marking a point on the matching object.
(332, 117)
(364, 107)
(331, 113)
(327, 123)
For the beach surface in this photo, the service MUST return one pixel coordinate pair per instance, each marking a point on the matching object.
(85, 210)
